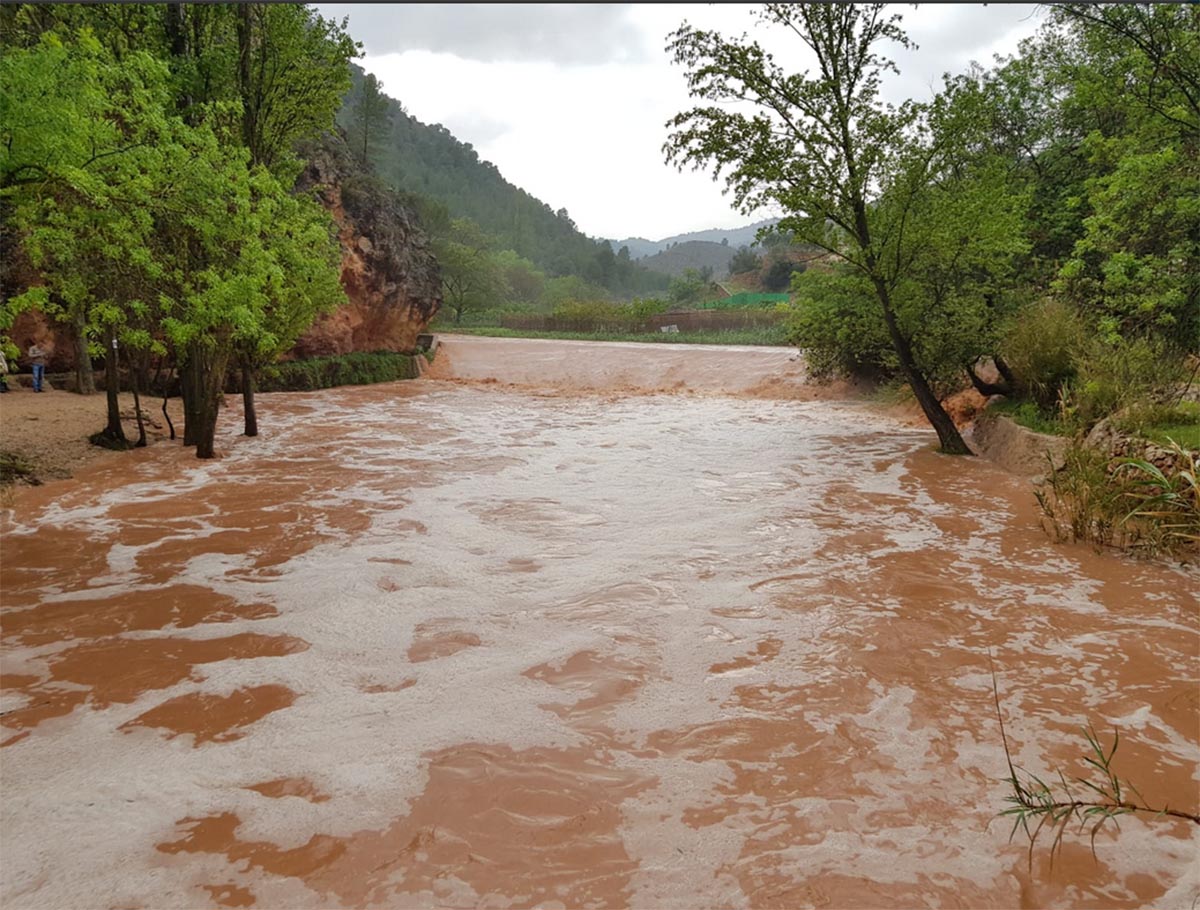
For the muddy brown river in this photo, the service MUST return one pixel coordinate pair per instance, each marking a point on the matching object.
(656, 627)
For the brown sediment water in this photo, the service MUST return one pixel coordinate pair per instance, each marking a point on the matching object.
(579, 626)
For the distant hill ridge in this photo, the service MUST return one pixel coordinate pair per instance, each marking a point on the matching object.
(690, 254)
(640, 247)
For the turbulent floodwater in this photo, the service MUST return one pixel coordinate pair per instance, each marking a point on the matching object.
(457, 644)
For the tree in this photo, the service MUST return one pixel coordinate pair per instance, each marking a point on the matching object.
(1135, 264)
(524, 281)
(301, 259)
(605, 264)
(744, 260)
(369, 117)
(80, 169)
(688, 289)
(471, 278)
(293, 70)
(778, 276)
(848, 148)
(153, 232)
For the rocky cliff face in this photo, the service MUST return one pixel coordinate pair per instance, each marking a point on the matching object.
(389, 272)
(390, 275)
(17, 275)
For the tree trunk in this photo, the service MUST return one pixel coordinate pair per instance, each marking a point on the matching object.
(244, 42)
(987, 388)
(189, 393)
(1004, 370)
(948, 436)
(205, 370)
(85, 377)
(176, 33)
(251, 418)
(167, 416)
(136, 376)
(114, 432)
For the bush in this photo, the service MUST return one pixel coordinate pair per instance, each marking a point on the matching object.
(1042, 345)
(779, 274)
(1112, 376)
(327, 372)
(836, 322)
(1164, 423)
(1128, 503)
(14, 467)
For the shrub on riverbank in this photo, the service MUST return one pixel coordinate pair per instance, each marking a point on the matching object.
(1132, 503)
(14, 467)
(343, 369)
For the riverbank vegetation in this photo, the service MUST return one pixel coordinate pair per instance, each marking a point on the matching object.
(1039, 214)
(765, 336)
(148, 170)
(362, 368)
(1033, 231)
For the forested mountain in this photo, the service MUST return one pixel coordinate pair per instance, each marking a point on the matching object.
(427, 161)
(640, 247)
(691, 254)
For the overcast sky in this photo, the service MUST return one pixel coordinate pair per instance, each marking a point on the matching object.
(569, 101)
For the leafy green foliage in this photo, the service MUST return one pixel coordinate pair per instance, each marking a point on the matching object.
(472, 278)
(148, 174)
(744, 260)
(688, 289)
(1112, 376)
(1176, 422)
(1094, 801)
(329, 372)
(293, 74)
(836, 323)
(778, 275)
(1130, 503)
(858, 170)
(370, 120)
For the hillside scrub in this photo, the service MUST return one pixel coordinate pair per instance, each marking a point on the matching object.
(446, 180)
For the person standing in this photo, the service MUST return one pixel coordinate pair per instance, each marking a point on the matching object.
(37, 357)
(3, 372)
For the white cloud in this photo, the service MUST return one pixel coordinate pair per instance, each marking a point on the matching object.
(587, 135)
(565, 33)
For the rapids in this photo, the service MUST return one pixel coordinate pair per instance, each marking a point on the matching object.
(574, 626)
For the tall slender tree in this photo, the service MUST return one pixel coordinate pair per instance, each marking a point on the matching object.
(370, 118)
(822, 145)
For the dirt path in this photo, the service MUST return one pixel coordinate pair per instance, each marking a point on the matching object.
(447, 644)
(50, 430)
